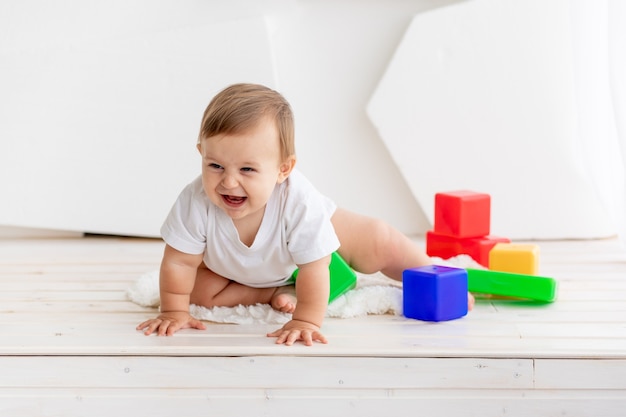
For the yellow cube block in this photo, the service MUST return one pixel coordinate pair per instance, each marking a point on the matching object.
(515, 258)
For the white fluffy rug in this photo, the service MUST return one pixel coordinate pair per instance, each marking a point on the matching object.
(374, 294)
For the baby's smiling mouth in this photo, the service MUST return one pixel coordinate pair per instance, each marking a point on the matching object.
(233, 200)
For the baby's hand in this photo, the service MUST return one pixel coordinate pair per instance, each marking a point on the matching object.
(296, 330)
(166, 324)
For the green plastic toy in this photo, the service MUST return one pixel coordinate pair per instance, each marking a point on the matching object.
(342, 277)
(511, 285)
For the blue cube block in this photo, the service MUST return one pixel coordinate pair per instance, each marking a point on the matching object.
(434, 293)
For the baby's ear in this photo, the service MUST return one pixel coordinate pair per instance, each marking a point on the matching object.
(285, 168)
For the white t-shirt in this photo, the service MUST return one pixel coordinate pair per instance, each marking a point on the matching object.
(296, 229)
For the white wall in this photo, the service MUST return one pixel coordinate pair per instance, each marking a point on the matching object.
(101, 102)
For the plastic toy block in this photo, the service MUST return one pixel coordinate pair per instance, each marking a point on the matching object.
(512, 285)
(446, 247)
(462, 214)
(434, 293)
(515, 258)
(342, 277)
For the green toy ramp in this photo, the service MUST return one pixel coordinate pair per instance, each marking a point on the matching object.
(342, 277)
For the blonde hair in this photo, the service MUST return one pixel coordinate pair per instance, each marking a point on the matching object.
(240, 107)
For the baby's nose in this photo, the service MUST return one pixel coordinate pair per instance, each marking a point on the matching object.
(229, 181)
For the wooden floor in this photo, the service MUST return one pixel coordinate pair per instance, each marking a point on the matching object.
(68, 347)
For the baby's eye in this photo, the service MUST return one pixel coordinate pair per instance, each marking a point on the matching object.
(215, 166)
(247, 169)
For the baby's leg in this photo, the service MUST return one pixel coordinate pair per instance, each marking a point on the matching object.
(284, 299)
(213, 290)
(370, 245)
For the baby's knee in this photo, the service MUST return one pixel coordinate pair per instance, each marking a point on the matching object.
(381, 235)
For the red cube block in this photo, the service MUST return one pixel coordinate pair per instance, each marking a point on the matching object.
(462, 214)
(447, 247)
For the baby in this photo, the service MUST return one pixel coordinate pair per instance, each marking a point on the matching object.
(238, 231)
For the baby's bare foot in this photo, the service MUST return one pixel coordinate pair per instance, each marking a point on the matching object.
(284, 299)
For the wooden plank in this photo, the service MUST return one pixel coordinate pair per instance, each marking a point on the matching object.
(358, 328)
(43, 323)
(234, 394)
(84, 401)
(605, 293)
(54, 296)
(573, 330)
(580, 374)
(511, 306)
(119, 276)
(80, 306)
(538, 316)
(80, 402)
(11, 286)
(254, 342)
(87, 247)
(77, 268)
(265, 372)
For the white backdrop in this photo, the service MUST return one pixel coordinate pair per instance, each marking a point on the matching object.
(616, 39)
(513, 98)
(100, 102)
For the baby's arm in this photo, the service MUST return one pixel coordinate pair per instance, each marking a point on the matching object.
(177, 278)
(312, 290)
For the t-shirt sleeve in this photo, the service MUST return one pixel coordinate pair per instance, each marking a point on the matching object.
(184, 228)
(310, 233)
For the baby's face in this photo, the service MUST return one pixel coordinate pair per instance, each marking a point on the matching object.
(239, 172)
